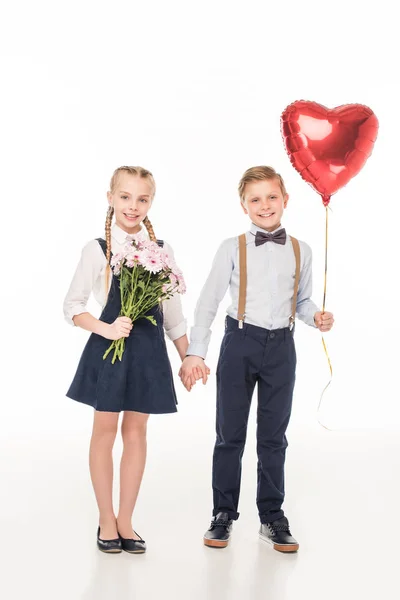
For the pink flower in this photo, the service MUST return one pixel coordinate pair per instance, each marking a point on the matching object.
(168, 261)
(150, 246)
(177, 284)
(137, 257)
(116, 258)
(181, 282)
(151, 261)
(133, 258)
(173, 280)
(177, 280)
(182, 286)
(116, 262)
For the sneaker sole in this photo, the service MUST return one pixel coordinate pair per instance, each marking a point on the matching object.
(280, 547)
(215, 543)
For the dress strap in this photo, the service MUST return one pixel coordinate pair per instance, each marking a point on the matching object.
(103, 245)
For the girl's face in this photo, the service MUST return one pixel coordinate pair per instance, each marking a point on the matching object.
(131, 200)
(264, 203)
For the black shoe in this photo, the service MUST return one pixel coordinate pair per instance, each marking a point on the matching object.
(220, 531)
(278, 534)
(109, 546)
(133, 546)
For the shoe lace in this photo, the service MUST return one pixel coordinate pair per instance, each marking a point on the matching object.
(279, 527)
(219, 523)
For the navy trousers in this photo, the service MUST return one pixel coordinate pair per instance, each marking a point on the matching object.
(248, 356)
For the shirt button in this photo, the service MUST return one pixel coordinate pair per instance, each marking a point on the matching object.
(272, 335)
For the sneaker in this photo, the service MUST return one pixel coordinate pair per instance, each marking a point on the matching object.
(219, 532)
(278, 534)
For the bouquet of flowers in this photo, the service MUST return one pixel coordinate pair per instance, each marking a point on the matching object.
(147, 276)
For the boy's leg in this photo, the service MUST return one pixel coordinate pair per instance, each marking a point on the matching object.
(235, 385)
(275, 391)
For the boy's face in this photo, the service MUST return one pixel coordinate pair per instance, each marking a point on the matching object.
(131, 200)
(264, 203)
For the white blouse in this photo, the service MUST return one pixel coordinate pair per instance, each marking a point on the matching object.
(90, 277)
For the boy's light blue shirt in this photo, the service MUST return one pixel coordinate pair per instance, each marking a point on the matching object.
(270, 283)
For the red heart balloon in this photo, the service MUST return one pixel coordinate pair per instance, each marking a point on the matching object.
(328, 146)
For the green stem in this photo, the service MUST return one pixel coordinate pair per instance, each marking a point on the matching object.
(107, 352)
(134, 278)
(115, 354)
(132, 304)
(142, 307)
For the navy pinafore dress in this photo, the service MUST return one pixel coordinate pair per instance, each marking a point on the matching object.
(142, 381)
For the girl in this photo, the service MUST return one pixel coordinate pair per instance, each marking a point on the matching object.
(140, 384)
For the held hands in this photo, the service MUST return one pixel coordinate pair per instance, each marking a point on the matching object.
(121, 328)
(192, 369)
(324, 321)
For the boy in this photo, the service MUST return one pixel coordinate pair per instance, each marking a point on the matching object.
(270, 279)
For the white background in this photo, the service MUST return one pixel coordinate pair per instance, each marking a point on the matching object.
(194, 92)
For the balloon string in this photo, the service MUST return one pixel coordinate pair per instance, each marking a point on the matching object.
(326, 259)
(323, 310)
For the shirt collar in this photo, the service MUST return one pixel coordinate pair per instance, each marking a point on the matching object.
(254, 228)
(120, 235)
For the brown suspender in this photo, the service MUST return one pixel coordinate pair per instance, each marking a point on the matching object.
(243, 279)
(296, 250)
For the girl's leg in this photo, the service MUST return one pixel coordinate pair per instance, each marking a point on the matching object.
(105, 425)
(133, 429)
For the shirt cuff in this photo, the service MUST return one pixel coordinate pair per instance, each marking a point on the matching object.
(69, 315)
(310, 320)
(308, 316)
(197, 349)
(177, 331)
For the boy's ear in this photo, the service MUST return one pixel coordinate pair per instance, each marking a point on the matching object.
(285, 200)
(244, 208)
